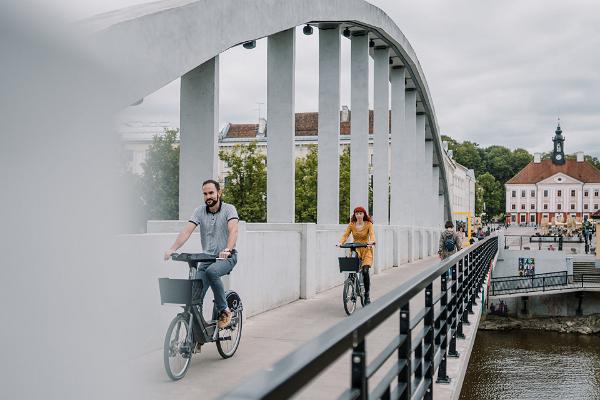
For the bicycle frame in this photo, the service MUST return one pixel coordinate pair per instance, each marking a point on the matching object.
(208, 331)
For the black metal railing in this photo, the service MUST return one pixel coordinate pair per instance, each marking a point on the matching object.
(542, 283)
(420, 353)
(530, 242)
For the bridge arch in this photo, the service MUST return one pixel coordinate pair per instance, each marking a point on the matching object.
(156, 43)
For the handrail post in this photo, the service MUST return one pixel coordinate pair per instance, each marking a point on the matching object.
(405, 375)
(453, 315)
(429, 340)
(359, 370)
(464, 316)
(442, 374)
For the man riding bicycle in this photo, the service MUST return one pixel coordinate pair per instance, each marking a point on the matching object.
(218, 222)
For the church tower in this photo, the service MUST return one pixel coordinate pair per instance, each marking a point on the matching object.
(558, 154)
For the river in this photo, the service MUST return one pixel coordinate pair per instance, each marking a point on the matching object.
(523, 365)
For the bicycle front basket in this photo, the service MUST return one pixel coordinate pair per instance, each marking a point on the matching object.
(180, 291)
(349, 264)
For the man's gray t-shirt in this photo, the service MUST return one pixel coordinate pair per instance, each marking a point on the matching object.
(213, 226)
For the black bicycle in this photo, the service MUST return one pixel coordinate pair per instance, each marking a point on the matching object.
(353, 285)
(189, 330)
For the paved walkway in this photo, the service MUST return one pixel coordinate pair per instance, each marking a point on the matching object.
(269, 336)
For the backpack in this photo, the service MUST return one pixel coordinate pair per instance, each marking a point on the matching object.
(449, 243)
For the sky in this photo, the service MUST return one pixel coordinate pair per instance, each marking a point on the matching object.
(499, 72)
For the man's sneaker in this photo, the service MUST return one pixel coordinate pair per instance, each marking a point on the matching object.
(198, 348)
(224, 319)
(367, 299)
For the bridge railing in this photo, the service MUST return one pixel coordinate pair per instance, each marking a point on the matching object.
(542, 283)
(419, 354)
(539, 242)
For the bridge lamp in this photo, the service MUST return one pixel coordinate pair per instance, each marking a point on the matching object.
(371, 43)
(346, 32)
(250, 45)
(307, 30)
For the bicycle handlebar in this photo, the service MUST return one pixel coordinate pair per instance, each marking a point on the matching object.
(354, 245)
(200, 257)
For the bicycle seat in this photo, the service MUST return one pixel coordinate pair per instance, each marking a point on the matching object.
(198, 257)
(353, 245)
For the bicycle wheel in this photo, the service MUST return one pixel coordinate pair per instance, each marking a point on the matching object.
(349, 296)
(229, 337)
(177, 353)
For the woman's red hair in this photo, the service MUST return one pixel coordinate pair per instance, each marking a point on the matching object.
(360, 209)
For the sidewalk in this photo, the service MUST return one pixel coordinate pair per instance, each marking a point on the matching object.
(269, 336)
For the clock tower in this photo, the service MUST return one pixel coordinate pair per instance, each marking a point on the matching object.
(558, 154)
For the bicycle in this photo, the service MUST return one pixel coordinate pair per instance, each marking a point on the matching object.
(353, 285)
(189, 328)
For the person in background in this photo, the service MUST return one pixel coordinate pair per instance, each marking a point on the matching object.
(450, 241)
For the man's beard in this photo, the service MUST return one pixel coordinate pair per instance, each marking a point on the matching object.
(212, 202)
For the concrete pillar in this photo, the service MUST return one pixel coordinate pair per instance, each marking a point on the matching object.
(397, 201)
(281, 126)
(409, 159)
(199, 124)
(421, 211)
(381, 130)
(429, 193)
(435, 190)
(328, 202)
(308, 261)
(409, 168)
(359, 123)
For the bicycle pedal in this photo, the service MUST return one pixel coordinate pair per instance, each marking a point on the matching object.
(224, 338)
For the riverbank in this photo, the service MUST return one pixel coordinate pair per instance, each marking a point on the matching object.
(588, 325)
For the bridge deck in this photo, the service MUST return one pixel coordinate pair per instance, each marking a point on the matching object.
(269, 336)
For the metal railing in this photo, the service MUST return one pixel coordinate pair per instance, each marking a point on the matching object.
(526, 242)
(419, 354)
(542, 283)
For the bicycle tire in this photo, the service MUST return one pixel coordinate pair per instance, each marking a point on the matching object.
(349, 296)
(237, 321)
(177, 322)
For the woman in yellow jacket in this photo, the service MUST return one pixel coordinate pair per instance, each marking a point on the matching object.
(362, 231)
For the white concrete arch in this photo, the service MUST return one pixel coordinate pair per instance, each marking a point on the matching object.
(154, 44)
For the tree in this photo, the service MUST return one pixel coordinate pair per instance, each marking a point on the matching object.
(160, 179)
(246, 184)
(306, 186)
(498, 163)
(520, 158)
(345, 186)
(493, 194)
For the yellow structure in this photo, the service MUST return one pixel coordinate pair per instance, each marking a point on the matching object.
(468, 214)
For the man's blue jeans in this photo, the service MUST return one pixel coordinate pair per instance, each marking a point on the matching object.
(211, 274)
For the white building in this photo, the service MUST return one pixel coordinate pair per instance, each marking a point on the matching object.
(553, 189)
(461, 187)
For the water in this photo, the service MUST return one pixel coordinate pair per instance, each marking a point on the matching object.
(536, 365)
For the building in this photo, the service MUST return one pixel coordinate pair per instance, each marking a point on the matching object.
(554, 189)
(461, 187)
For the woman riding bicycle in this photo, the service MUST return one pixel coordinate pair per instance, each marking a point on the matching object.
(362, 231)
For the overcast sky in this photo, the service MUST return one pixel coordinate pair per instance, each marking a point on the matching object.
(500, 72)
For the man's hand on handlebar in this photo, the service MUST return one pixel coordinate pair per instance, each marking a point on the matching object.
(168, 254)
(225, 253)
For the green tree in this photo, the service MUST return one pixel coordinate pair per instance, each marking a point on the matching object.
(593, 160)
(160, 179)
(493, 194)
(345, 186)
(498, 163)
(306, 186)
(520, 158)
(246, 184)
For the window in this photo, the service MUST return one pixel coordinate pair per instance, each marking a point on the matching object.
(586, 193)
(522, 193)
(572, 193)
(522, 206)
(545, 206)
(533, 206)
(559, 206)
(545, 193)
(533, 193)
(585, 206)
(513, 218)
(514, 193)
(572, 206)
(523, 218)
(513, 207)
(595, 193)
(596, 206)
(559, 193)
